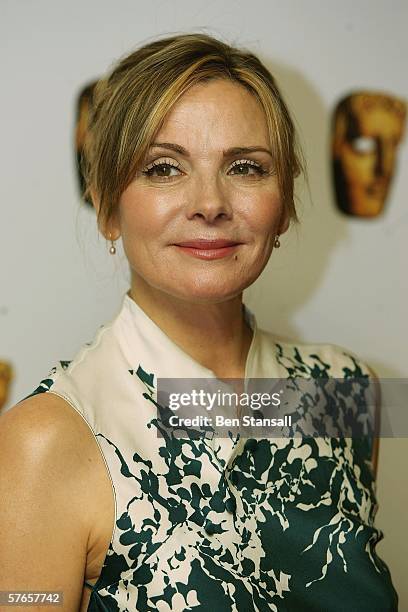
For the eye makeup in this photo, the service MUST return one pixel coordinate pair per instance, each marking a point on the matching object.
(162, 165)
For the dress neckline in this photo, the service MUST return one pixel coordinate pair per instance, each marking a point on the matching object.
(153, 333)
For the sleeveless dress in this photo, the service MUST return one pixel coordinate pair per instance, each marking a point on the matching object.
(223, 524)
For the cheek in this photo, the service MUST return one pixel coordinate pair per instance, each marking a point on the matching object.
(359, 168)
(264, 214)
(143, 215)
(147, 215)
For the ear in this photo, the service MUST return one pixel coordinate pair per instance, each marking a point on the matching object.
(106, 228)
(284, 223)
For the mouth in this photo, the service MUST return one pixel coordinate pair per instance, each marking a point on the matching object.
(377, 189)
(376, 192)
(202, 243)
(208, 249)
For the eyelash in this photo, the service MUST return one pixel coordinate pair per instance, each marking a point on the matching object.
(148, 171)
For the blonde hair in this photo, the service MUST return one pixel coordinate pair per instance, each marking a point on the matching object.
(131, 102)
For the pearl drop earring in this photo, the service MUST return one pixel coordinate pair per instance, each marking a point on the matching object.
(112, 249)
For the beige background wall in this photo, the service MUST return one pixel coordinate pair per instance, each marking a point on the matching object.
(334, 279)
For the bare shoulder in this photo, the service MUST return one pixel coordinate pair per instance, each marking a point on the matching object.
(45, 417)
(48, 459)
(44, 430)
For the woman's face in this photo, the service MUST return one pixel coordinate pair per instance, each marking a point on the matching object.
(199, 181)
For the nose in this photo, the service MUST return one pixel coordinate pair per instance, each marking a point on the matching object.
(209, 200)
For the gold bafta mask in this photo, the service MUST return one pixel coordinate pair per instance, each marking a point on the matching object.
(5, 379)
(367, 129)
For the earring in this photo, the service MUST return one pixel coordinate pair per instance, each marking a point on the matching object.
(277, 244)
(112, 249)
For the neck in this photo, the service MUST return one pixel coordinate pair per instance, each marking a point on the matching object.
(215, 335)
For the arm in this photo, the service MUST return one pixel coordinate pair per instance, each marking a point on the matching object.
(43, 487)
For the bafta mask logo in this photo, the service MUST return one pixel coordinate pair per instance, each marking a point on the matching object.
(367, 130)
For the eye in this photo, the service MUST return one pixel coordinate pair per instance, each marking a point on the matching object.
(161, 169)
(363, 144)
(242, 167)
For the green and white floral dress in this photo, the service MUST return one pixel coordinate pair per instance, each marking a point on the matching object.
(217, 524)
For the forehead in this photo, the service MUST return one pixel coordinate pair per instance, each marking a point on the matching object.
(377, 118)
(215, 115)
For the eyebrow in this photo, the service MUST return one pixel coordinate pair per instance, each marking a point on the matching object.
(227, 153)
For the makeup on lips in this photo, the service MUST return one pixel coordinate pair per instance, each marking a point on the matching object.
(208, 249)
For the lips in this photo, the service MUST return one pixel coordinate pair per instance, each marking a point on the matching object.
(207, 244)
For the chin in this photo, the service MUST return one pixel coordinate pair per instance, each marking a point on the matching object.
(368, 208)
(207, 294)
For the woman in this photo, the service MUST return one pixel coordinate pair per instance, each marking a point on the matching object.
(190, 159)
